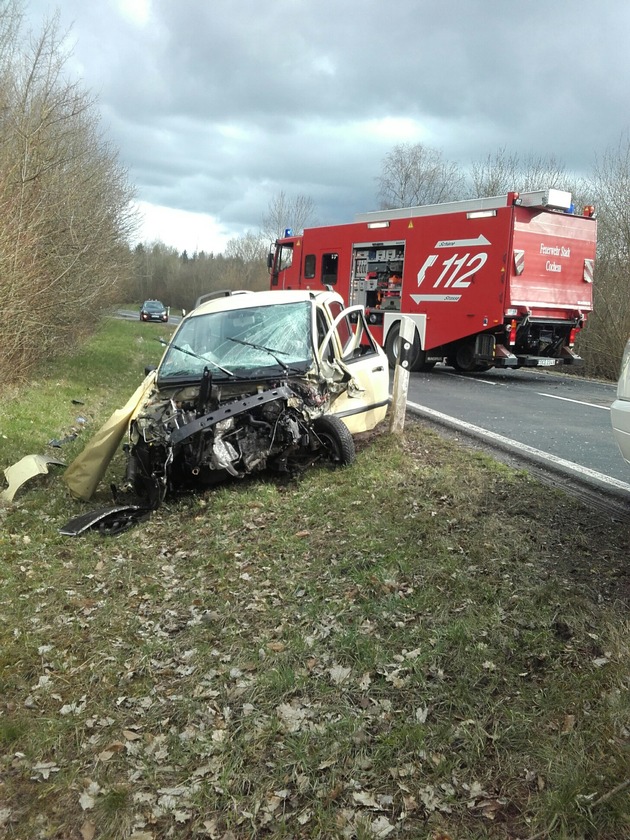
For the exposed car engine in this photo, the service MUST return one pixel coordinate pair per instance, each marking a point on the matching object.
(183, 441)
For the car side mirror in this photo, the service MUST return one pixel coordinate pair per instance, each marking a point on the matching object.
(149, 369)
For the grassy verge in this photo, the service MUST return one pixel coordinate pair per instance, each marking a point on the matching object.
(427, 644)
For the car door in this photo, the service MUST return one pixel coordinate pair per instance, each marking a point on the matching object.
(349, 346)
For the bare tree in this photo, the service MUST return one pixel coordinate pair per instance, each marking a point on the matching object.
(502, 171)
(251, 247)
(413, 174)
(284, 212)
(65, 212)
(246, 262)
(604, 339)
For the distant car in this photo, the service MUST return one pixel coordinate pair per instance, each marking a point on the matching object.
(249, 381)
(620, 409)
(154, 310)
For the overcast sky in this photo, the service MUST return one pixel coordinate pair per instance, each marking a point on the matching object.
(216, 106)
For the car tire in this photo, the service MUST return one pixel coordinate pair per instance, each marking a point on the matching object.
(337, 440)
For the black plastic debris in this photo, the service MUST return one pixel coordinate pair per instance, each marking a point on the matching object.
(109, 521)
(59, 442)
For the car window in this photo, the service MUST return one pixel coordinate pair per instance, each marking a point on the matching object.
(330, 266)
(309, 266)
(353, 335)
(336, 308)
(356, 340)
(256, 340)
(322, 330)
(286, 257)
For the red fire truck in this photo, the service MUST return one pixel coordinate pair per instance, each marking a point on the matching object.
(490, 282)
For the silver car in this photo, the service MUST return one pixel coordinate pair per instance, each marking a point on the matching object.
(620, 409)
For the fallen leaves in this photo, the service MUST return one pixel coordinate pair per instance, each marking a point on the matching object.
(43, 770)
(339, 674)
(88, 830)
(224, 680)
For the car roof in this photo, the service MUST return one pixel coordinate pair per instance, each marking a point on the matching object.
(244, 300)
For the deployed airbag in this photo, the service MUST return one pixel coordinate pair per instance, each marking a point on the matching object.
(88, 468)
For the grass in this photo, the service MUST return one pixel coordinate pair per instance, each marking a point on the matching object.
(425, 645)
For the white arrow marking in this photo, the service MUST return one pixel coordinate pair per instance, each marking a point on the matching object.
(447, 298)
(463, 243)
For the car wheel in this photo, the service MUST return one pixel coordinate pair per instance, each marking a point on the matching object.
(336, 439)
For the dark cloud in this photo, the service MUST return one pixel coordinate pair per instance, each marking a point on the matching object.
(217, 106)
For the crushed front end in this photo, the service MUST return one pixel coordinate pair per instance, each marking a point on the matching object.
(181, 440)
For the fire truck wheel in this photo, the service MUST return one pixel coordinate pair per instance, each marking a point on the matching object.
(337, 440)
(464, 358)
(392, 342)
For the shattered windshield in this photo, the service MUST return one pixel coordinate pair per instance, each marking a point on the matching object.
(256, 341)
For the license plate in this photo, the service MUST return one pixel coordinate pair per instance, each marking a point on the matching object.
(546, 362)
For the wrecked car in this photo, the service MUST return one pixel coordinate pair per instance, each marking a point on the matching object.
(249, 382)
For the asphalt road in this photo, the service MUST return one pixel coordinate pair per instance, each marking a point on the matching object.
(558, 419)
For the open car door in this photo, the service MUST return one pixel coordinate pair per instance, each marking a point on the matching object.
(349, 343)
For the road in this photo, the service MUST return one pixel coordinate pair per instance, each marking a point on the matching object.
(560, 420)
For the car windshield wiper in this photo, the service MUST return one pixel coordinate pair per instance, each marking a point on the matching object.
(263, 348)
(195, 356)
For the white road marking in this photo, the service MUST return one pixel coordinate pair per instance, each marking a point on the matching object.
(579, 402)
(583, 472)
(476, 379)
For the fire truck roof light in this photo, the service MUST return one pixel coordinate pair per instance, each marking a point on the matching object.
(553, 199)
(378, 225)
(481, 214)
